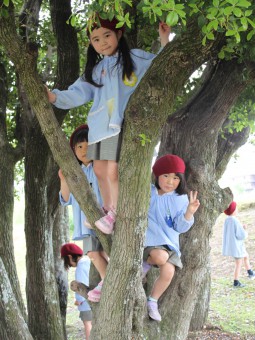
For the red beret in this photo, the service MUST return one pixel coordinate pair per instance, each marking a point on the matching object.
(168, 164)
(231, 208)
(106, 23)
(79, 128)
(70, 249)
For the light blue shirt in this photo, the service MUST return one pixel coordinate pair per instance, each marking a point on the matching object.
(233, 238)
(166, 219)
(80, 231)
(82, 275)
(109, 101)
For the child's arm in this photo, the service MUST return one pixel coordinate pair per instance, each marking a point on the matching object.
(65, 192)
(164, 32)
(193, 205)
(51, 95)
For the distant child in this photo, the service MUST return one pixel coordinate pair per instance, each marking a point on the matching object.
(234, 235)
(73, 257)
(170, 214)
(111, 75)
(91, 245)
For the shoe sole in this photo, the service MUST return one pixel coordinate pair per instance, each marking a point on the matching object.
(102, 228)
(79, 288)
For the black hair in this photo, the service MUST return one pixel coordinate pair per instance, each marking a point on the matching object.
(124, 58)
(182, 187)
(79, 137)
(66, 259)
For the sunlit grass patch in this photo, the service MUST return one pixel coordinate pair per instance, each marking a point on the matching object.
(233, 309)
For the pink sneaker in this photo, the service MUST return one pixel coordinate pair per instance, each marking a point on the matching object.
(95, 294)
(153, 312)
(146, 267)
(106, 223)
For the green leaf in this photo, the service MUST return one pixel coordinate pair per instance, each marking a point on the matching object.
(244, 3)
(210, 36)
(230, 33)
(251, 22)
(237, 12)
(6, 3)
(212, 25)
(172, 19)
(73, 21)
(216, 3)
(250, 35)
(238, 38)
(221, 54)
(204, 40)
(244, 23)
(247, 13)
(228, 10)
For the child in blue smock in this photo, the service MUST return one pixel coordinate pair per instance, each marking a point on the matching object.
(170, 214)
(111, 75)
(234, 235)
(91, 245)
(73, 257)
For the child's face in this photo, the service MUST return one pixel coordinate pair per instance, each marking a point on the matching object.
(168, 182)
(105, 41)
(80, 150)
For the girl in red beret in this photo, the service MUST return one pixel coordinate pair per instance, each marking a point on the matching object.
(111, 75)
(170, 214)
(234, 234)
(73, 257)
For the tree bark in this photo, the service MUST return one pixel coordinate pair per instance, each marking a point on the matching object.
(12, 324)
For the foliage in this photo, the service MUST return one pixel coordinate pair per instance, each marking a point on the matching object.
(242, 113)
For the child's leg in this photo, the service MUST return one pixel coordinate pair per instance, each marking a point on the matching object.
(113, 177)
(247, 262)
(101, 171)
(99, 262)
(87, 328)
(238, 265)
(159, 257)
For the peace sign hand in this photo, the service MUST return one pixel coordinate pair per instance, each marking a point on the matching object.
(193, 205)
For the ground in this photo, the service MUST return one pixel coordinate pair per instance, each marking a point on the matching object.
(222, 269)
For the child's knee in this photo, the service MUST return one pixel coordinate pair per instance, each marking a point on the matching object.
(159, 257)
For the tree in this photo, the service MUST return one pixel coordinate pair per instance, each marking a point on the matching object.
(121, 314)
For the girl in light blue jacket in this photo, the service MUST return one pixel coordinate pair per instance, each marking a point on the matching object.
(170, 214)
(111, 75)
(234, 234)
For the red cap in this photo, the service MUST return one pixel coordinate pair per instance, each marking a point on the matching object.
(106, 23)
(231, 208)
(79, 128)
(168, 164)
(70, 249)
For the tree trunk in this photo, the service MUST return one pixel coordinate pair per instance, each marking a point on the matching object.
(192, 133)
(12, 324)
(9, 157)
(60, 237)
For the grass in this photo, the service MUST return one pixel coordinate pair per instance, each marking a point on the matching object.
(232, 309)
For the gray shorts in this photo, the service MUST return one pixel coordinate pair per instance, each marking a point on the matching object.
(173, 257)
(108, 149)
(86, 315)
(91, 243)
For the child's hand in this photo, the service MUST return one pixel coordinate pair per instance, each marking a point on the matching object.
(51, 96)
(60, 175)
(193, 202)
(77, 303)
(164, 32)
